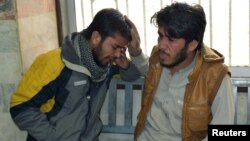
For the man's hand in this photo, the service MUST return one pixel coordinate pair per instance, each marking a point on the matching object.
(133, 46)
(122, 61)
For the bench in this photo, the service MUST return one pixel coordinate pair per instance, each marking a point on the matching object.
(241, 92)
(241, 87)
(129, 92)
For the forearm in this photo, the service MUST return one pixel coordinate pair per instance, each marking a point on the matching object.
(34, 122)
(131, 73)
(141, 62)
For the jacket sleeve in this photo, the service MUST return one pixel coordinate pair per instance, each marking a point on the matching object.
(138, 67)
(223, 104)
(141, 63)
(34, 90)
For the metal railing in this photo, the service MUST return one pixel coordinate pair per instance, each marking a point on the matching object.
(224, 23)
(241, 83)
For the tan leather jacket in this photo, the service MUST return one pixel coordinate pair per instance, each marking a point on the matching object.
(204, 82)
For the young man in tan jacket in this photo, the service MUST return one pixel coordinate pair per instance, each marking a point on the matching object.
(187, 86)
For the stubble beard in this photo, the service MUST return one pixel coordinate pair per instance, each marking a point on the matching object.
(96, 55)
(180, 57)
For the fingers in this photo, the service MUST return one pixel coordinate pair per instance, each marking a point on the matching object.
(131, 24)
(134, 32)
(134, 45)
(122, 61)
(123, 50)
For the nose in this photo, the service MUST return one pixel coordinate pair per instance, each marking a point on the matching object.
(163, 44)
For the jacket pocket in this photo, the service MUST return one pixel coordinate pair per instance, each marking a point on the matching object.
(198, 118)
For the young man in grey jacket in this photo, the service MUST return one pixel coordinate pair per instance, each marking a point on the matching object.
(60, 97)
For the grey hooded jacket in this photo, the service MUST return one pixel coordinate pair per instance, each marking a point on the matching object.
(72, 100)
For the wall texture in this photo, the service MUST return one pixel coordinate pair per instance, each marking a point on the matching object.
(27, 29)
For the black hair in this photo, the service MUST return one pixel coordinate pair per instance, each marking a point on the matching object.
(109, 22)
(181, 20)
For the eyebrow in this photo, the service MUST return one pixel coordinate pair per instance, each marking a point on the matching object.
(165, 34)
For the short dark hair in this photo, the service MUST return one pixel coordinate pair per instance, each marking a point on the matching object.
(109, 22)
(182, 20)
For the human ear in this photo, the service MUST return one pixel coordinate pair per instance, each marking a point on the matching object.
(95, 38)
(193, 45)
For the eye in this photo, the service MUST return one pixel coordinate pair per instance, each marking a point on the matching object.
(114, 47)
(160, 37)
(170, 39)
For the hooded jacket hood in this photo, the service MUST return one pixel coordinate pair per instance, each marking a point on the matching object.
(211, 55)
(70, 57)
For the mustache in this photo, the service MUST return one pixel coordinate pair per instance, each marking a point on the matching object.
(164, 52)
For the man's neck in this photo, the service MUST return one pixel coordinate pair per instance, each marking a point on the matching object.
(183, 64)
